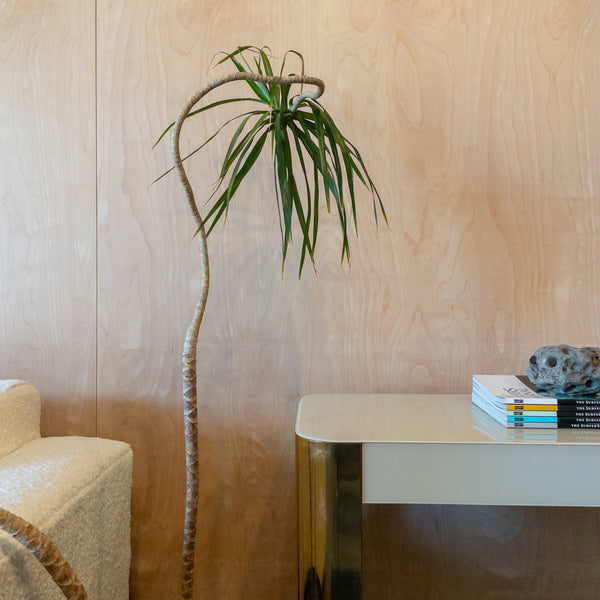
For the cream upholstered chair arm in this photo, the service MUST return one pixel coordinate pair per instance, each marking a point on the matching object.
(19, 424)
(70, 492)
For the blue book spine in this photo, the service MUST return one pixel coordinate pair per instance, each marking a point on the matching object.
(532, 419)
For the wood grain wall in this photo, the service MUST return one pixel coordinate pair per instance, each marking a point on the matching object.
(48, 207)
(479, 122)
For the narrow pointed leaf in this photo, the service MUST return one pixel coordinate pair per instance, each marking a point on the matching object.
(204, 109)
(295, 197)
(212, 137)
(220, 206)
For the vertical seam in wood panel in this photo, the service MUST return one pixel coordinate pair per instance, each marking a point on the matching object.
(96, 200)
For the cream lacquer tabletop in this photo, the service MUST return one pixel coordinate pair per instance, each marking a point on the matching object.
(414, 418)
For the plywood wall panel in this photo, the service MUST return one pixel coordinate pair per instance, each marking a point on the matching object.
(148, 278)
(48, 208)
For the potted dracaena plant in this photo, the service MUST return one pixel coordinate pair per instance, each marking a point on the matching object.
(312, 161)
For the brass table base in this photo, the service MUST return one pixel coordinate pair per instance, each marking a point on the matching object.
(330, 520)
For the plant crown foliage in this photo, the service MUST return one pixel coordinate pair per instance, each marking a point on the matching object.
(312, 160)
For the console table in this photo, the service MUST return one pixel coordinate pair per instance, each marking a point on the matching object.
(418, 449)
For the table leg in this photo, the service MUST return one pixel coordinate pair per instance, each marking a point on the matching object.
(329, 480)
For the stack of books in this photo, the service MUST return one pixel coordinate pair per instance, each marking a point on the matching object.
(483, 423)
(513, 401)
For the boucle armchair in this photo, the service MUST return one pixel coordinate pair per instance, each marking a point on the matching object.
(76, 490)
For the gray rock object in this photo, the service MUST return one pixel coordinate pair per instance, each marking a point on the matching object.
(565, 370)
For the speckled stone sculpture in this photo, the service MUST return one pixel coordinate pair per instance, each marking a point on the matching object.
(565, 370)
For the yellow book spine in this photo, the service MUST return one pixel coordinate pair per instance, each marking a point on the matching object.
(532, 407)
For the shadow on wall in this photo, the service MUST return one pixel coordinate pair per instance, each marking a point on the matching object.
(419, 552)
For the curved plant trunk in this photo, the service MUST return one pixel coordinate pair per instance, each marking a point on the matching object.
(190, 398)
(45, 551)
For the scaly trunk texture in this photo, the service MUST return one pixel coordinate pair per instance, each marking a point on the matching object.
(45, 551)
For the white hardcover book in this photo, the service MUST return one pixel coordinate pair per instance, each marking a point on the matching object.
(508, 389)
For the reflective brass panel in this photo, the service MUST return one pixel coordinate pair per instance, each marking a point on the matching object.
(329, 478)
